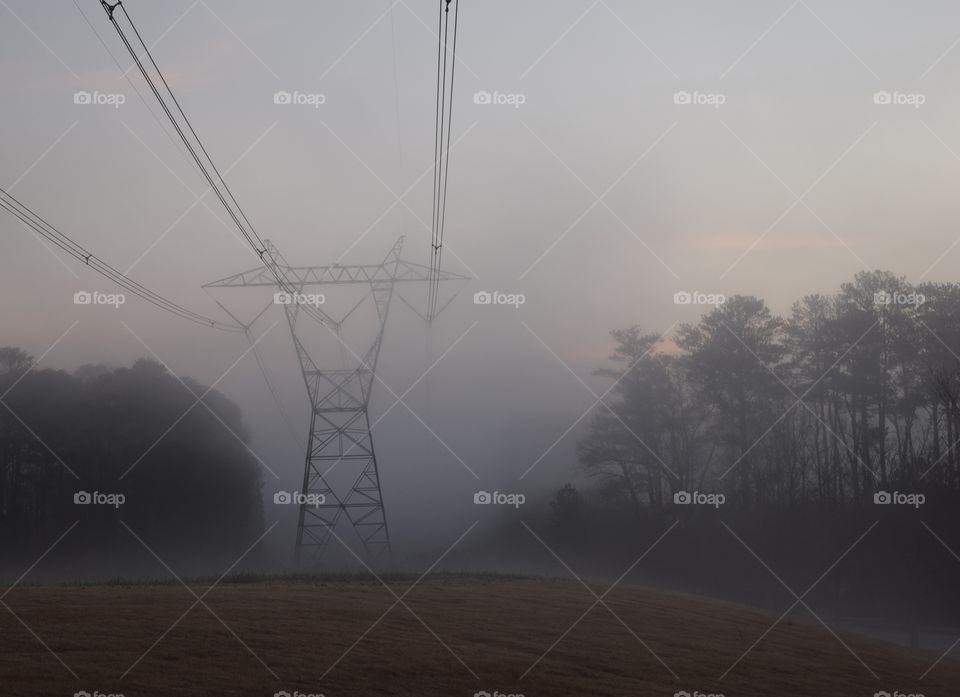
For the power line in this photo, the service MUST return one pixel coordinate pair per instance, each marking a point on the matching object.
(195, 146)
(446, 168)
(443, 124)
(126, 77)
(40, 226)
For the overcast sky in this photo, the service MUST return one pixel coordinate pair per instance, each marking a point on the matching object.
(591, 191)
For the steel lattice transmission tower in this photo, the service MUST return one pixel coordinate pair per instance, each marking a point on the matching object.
(339, 434)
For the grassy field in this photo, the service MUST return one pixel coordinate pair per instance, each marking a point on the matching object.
(467, 634)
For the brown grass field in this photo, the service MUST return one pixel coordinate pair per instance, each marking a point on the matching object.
(303, 631)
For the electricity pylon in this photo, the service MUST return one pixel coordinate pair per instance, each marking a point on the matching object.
(340, 434)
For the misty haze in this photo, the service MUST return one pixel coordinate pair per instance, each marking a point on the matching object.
(492, 349)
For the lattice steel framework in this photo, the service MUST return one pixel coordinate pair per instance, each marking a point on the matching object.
(340, 434)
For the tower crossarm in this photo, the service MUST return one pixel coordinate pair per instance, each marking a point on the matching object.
(336, 274)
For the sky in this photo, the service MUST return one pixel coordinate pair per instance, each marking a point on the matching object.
(590, 186)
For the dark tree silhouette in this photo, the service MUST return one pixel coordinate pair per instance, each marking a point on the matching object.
(190, 483)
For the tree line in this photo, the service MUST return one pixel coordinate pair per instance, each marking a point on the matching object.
(121, 451)
(848, 398)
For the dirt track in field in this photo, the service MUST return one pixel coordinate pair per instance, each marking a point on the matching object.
(495, 629)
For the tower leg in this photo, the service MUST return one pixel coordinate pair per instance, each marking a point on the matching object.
(341, 446)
